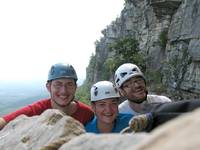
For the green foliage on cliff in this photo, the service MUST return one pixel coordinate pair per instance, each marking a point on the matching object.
(154, 81)
(125, 50)
(122, 50)
(83, 94)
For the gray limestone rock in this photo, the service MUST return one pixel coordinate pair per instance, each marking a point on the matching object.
(110, 141)
(49, 130)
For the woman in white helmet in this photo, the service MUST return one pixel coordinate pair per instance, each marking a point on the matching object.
(131, 83)
(104, 102)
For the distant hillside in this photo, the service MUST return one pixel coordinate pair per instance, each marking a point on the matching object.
(16, 95)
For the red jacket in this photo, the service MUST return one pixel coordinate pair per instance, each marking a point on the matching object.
(83, 114)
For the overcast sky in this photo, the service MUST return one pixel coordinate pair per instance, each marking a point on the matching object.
(34, 34)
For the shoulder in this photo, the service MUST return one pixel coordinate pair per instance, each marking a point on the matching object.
(42, 101)
(157, 99)
(82, 105)
(92, 122)
(84, 109)
(122, 122)
(91, 126)
(124, 104)
(125, 108)
(123, 116)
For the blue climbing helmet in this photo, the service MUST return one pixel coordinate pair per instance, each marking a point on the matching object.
(62, 70)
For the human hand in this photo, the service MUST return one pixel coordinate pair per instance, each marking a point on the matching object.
(138, 123)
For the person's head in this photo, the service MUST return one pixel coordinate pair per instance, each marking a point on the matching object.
(61, 84)
(104, 101)
(131, 83)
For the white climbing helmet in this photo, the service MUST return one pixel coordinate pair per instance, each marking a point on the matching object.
(103, 90)
(125, 72)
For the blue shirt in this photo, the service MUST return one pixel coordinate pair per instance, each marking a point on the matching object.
(121, 122)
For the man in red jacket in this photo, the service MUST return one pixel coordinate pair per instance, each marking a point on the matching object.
(62, 86)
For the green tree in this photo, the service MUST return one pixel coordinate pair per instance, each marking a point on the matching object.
(83, 94)
(125, 50)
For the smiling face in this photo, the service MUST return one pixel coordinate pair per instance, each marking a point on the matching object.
(62, 91)
(134, 89)
(106, 110)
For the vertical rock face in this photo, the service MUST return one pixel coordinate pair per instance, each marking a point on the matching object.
(47, 131)
(177, 56)
(183, 44)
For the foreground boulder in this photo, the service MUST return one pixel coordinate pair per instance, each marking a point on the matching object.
(182, 133)
(54, 131)
(47, 131)
(103, 141)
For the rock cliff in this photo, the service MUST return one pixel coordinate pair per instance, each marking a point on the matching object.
(168, 32)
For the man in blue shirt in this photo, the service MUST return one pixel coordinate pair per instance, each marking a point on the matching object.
(104, 102)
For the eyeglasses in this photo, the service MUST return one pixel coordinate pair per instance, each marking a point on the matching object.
(132, 82)
(59, 85)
